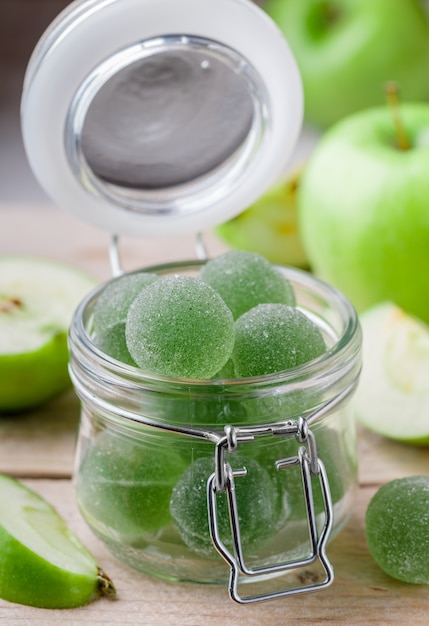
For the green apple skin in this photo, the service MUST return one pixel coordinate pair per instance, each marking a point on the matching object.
(363, 209)
(43, 564)
(40, 583)
(347, 50)
(269, 227)
(28, 379)
(37, 300)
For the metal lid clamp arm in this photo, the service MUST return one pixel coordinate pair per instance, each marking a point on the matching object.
(115, 256)
(223, 480)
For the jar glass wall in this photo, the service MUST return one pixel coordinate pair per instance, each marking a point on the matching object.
(147, 447)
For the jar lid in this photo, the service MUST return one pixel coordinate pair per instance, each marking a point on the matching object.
(151, 117)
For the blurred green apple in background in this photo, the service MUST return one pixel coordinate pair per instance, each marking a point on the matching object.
(37, 300)
(269, 227)
(347, 50)
(363, 207)
(392, 397)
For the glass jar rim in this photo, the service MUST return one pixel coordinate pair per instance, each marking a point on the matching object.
(121, 392)
(344, 348)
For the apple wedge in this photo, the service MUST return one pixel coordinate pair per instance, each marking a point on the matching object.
(269, 227)
(37, 300)
(43, 563)
(392, 398)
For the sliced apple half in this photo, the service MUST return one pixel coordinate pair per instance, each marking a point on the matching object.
(43, 563)
(37, 300)
(270, 226)
(392, 397)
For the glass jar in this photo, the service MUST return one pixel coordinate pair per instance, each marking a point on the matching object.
(144, 120)
(167, 469)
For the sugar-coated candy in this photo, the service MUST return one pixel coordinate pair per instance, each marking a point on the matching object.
(258, 511)
(227, 371)
(112, 342)
(180, 326)
(274, 337)
(110, 313)
(127, 484)
(397, 528)
(245, 279)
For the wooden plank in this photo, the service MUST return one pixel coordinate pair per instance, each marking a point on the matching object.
(381, 459)
(40, 442)
(361, 593)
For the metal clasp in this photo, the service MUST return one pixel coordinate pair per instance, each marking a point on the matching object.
(115, 256)
(223, 480)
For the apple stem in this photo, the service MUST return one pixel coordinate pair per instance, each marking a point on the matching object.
(332, 13)
(392, 96)
(105, 584)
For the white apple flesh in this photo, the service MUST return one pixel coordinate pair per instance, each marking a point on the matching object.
(363, 209)
(392, 398)
(270, 226)
(37, 301)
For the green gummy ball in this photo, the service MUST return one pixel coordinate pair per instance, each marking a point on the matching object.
(180, 326)
(245, 279)
(257, 505)
(274, 337)
(126, 486)
(112, 342)
(110, 313)
(397, 528)
(227, 371)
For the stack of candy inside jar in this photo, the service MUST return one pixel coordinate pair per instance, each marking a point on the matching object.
(237, 318)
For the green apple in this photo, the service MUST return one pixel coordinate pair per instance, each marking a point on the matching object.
(392, 397)
(363, 209)
(347, 50)
(37, 300)
(269, 226)
(43, 563)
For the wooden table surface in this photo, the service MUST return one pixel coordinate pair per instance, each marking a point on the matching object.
(38, 447)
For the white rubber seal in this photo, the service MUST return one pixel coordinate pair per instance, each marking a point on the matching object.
(88, 33)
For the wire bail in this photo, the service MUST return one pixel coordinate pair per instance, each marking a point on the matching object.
(223, 480)
(115, 255)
